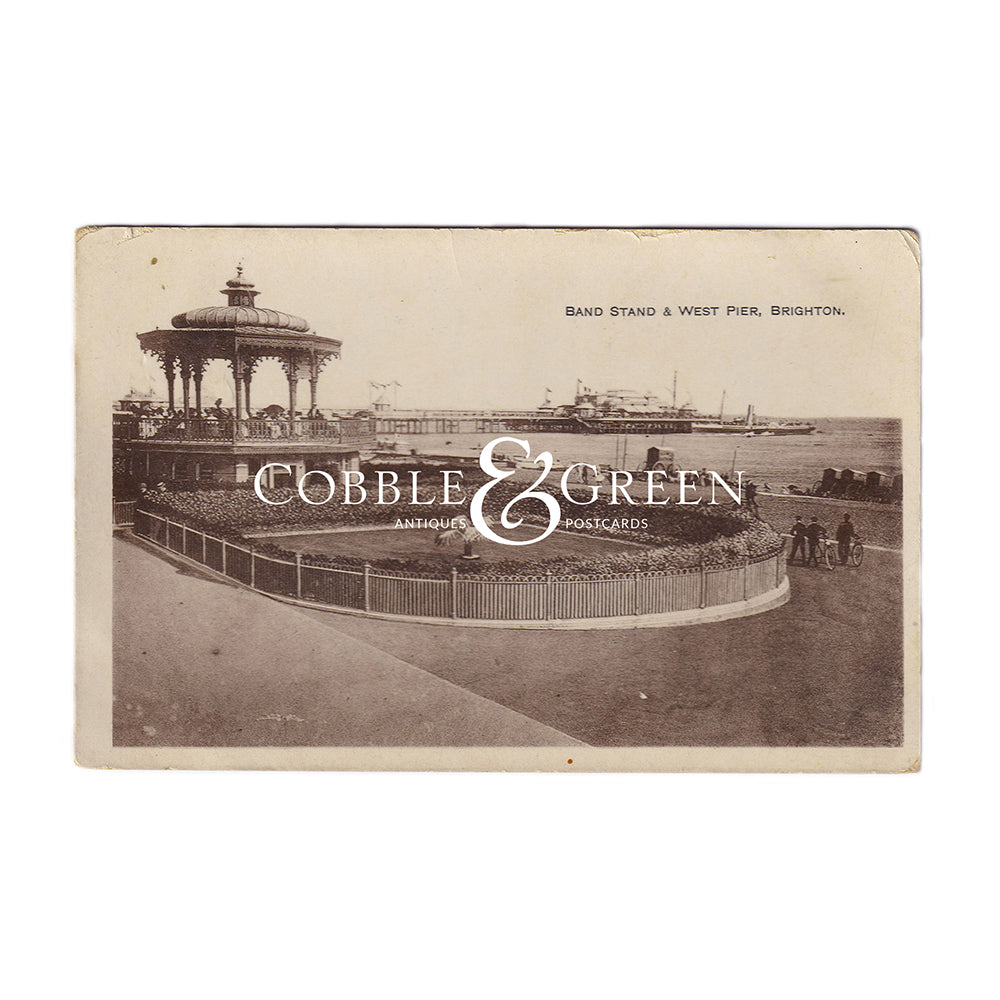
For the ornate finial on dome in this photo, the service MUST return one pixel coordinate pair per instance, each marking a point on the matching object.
(238, 290)
(239, 281)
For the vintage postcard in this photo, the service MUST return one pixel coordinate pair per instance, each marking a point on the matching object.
(481, 499)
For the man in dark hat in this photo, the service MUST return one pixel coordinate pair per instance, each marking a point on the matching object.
(798, 540)
(814, 533)
(845, 535)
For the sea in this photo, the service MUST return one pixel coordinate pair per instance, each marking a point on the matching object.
(865, 445)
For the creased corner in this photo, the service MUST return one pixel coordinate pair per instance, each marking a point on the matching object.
(912, 240)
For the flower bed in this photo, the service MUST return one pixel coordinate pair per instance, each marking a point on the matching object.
(677, 538)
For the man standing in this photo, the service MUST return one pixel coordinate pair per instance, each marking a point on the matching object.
(798, 540)
(845, 535)
(814, 533)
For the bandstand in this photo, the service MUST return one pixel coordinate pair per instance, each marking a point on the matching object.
(192, 441)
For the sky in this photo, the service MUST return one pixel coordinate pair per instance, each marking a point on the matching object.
(478, 318)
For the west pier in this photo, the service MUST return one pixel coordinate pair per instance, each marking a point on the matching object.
(490, 421)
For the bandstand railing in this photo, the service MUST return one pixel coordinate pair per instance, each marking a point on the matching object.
(548, 598)
(133, 427)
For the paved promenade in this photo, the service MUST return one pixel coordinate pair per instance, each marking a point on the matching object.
(825, 669)
(200, 662)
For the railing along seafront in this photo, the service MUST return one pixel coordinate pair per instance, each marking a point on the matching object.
(123, 513)
(532, 599)
(133, 427)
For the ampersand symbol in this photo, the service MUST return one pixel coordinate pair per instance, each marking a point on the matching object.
(476, 509)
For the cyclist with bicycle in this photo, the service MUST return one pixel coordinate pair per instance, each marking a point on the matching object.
(814, 532)
(845, 536)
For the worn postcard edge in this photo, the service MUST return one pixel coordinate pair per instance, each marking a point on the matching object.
(93, 579)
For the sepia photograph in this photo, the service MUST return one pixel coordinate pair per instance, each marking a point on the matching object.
(527, 499)
(514, 502)
(514, 507)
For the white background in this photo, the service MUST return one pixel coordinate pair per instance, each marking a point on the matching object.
(263, 885)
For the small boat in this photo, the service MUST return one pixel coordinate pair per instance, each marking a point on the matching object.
(557, 466)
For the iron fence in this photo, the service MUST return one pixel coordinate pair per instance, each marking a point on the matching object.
(123, 513)
(530, 599)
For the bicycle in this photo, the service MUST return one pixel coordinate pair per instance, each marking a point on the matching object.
(856, 553)
(831, 553)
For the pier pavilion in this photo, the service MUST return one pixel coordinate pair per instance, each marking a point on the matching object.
(192, 441)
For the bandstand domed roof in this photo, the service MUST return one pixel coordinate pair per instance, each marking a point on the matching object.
(240, 312)
(228, 317)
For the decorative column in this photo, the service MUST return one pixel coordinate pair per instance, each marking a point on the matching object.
(167, 362)
(293, 383)
(290, 362)
(197, 371)
(237, 366)
(249, 366)
(186, 385)
(313, 385)
(316, 363)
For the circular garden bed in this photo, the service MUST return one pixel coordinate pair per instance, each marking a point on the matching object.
(672, 537)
